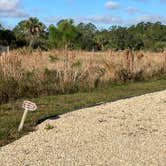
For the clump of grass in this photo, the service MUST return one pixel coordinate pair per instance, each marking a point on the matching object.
(53, 58)
(48, 126)
(78, 64)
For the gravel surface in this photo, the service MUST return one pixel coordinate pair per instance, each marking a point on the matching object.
(130, 132)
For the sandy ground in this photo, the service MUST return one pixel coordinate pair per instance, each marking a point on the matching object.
(130, 132)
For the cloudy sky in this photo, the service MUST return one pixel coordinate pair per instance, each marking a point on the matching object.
(103, 13)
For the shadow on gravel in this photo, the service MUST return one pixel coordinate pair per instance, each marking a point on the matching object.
(42, 119)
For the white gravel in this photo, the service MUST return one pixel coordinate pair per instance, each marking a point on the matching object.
(130, 132)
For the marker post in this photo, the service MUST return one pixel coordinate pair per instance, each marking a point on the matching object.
(23, 120)
(28, 106)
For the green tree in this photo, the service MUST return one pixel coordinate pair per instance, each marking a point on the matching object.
(53, 36)
(67, 33)
(29, 30)
(117, 39)
(7, 37)
(86, 36)
(102, 39)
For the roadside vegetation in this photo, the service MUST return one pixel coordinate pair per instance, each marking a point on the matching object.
(29, 75)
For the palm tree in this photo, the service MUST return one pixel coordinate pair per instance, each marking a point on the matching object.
(30, 29)
(34, 28)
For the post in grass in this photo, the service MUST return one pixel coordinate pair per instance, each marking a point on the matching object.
(28, 106)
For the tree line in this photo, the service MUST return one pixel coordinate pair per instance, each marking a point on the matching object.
(68, 35)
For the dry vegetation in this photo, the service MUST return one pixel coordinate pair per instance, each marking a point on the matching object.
(47, 73)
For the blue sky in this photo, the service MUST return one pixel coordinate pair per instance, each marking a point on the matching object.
(102, 13)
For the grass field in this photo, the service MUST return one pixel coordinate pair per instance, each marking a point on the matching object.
(34, 74)
(10, 113)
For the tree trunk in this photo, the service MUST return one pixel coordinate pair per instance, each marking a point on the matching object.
(31, 43)
(102, 47)
(66, 46)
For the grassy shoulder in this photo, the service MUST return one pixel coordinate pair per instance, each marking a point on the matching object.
(11, 113)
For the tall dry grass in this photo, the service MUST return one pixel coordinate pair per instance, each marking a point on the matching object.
(25, 74)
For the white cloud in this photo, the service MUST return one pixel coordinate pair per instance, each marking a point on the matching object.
(6, 5)
(148, 18)
(108, 19)
(103, 19)
(14, 14)
(131, 10)
(111, 5)
(11, 8)
(53, 19)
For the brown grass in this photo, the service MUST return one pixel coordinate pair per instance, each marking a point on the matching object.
(78, 63)
(67, 71)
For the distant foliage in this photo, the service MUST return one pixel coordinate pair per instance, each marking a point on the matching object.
(68, 35)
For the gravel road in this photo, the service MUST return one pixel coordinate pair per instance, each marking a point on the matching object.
(130, 132)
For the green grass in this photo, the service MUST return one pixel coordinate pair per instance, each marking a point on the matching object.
(48, 127)
(11, 113)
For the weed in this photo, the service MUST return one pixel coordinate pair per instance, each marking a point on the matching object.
(48, 126)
